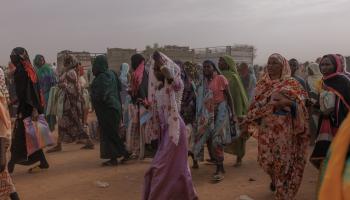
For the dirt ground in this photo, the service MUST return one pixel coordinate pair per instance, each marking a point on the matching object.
(74, 172)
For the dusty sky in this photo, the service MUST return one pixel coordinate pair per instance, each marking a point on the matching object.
(304, 29)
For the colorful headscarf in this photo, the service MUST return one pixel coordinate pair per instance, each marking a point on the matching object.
(286, 85)
(70, 62)
(338, 82)
(46, 76)
(19, 56)
(172, 99)
(136, 78)
(239, 95)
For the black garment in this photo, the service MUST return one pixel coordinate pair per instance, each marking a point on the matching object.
(28, 95)
(111, 146)
(340, 85)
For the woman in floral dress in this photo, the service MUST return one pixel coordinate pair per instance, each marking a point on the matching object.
(278, 118)
(70, 122)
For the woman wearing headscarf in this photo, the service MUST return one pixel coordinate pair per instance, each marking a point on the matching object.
(7, 189)
(278, 118)
(107, 105)
(124, 79)
(248, 79)
(137, 136)
(30, 101)
(188, 106)
(70, 106)
(335, 178)
(240, 101)
(47, 80)
(214, 116)
(334, 105)
(169, 176)
(85, 93)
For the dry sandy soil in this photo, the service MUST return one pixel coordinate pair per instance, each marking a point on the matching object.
(73, 174)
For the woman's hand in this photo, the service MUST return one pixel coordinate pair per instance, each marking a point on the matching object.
(279, 101)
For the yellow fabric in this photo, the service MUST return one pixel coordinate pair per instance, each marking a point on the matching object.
(5, 119)
(333, 187)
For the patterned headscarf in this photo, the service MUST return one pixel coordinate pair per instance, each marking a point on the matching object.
(337, 82)
(286, 85)
(70, 62)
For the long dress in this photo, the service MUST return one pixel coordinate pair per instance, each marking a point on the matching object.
(71, 122)
(106, 102)
(240, 103)
(213, 120)
(137, 136)
(282, 134)
(47, 80)
(6, 184)
(29, 99)
(169, 176)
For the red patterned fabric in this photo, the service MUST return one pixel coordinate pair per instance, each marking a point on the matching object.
(282, 139)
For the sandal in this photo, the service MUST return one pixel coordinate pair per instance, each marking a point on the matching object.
(36, 169)
(126, 158)
(110, 163)
(88, 147)
(217, 178)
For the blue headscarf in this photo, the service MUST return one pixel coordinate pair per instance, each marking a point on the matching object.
(124, 71)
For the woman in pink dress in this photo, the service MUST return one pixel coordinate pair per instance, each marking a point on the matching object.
(169, 176)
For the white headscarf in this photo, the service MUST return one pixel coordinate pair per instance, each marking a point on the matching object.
(124, 71)
(314, 80)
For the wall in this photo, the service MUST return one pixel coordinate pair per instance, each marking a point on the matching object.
(117, 56)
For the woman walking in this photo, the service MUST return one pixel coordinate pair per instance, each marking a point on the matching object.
(214, 116)
(30, 101)
(7, 189)
(169, 176)
(47, 80)
(71, 106)
(278, 118)
(240, 103)
(107, 105)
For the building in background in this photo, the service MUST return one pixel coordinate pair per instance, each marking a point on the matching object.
(117, 56)
(181, 53)
(240, 53)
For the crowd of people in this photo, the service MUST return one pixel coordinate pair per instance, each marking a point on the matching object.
(169, 110)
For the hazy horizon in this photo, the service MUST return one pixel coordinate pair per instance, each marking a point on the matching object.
(300, 29)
